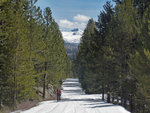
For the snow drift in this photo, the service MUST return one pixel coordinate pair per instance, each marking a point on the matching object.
(74, 100)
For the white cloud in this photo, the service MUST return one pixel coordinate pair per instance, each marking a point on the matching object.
(81, 18)
(80, 25)
(66, 24)
(79, 21)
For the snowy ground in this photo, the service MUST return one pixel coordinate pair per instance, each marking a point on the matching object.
(76, 101)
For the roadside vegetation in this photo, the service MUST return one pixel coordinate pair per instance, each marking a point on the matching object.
(32, 52)
(114, 55)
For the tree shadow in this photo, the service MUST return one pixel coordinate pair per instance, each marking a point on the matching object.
(101, 106)
(87, 101)
(72, 91)
(71, 85)
(91, 103)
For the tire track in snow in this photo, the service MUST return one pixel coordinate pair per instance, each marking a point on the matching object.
(77, 102)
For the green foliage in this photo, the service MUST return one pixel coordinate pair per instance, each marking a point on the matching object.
(140, 66)
(83, 59)
(114, 59)
(32, 52)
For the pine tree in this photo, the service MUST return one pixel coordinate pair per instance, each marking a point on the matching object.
(83, 62)
(140, 67)
(3, 54)
(31, 48)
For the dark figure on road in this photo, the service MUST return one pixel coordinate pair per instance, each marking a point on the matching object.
(58, 94)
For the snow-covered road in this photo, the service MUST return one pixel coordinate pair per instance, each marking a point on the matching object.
(75, 101)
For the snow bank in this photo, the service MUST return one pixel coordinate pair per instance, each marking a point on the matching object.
(76, 101)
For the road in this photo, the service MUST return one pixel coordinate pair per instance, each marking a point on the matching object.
(76, 101)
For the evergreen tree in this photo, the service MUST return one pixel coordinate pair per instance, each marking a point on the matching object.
(140, 67)
(4, 51)
(84, 62)
(32, 52)
(111, 55)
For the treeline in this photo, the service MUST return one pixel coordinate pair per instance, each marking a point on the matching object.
(114, 55)
(32, 52)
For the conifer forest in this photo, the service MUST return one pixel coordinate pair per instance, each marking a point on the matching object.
(113, 56)
(32, 52)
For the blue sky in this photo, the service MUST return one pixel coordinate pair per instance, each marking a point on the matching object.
(70, 14)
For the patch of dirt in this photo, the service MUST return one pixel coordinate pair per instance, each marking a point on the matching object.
(27, 105)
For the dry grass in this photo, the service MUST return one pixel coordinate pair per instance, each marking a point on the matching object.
(26, 104)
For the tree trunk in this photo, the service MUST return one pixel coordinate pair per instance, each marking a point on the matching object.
(44, 80)
(121, 100)
(117, 100)
(15, 92)
(103, 91)
(31, 28)
(0, 103)
(131, 104)
(125, 103)
(112, 97)
(108, 97)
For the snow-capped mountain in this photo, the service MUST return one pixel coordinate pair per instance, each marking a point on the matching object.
(72, 40)
(71, 49)
(72, 36)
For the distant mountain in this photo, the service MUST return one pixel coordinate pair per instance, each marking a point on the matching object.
(72, 36)
(72, 40)
(72, 49)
